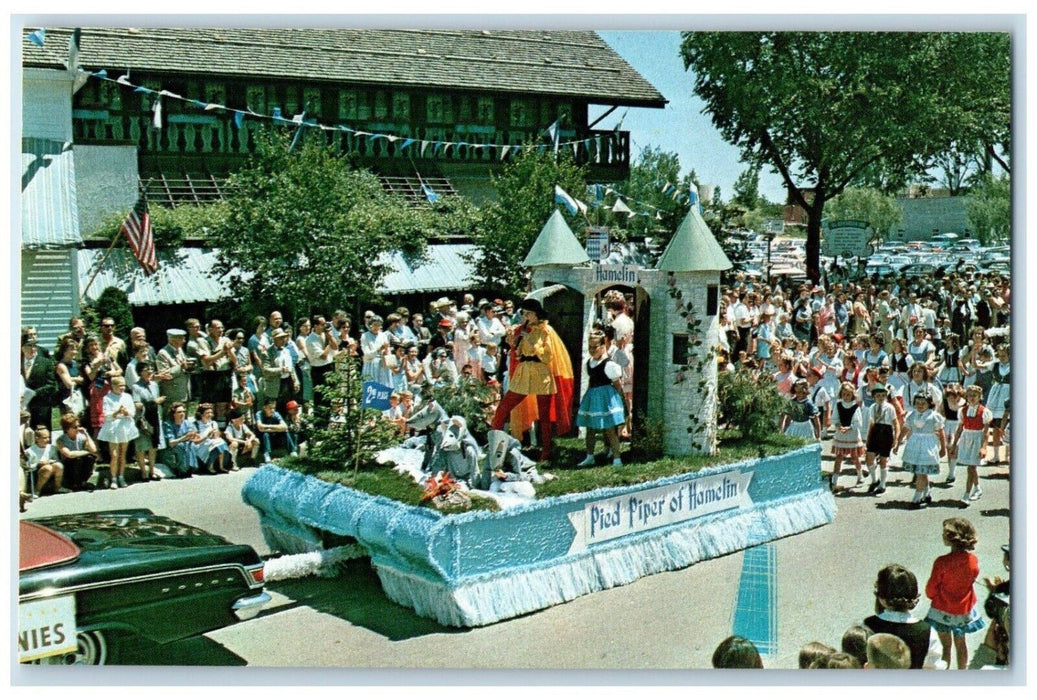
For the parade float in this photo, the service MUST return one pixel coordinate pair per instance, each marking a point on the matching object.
(478, 567)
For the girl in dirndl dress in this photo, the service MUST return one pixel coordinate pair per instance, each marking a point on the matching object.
(602, 406)
(953, 400)
(953, 612)
(802, 418)
(950, 365)
(970, 440)
(924, 445)
(848, 440)
(883, 434)
(1000, 392)
(899, 365)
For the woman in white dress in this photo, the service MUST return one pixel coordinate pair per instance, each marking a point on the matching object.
(119, 428)
(375, 348)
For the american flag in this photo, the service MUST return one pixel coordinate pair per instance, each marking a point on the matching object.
(137, 227)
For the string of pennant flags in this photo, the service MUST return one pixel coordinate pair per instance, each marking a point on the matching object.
(596, 193)
(438, 147)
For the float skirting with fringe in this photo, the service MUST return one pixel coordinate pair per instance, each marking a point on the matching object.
(488, 599)
(479, 567)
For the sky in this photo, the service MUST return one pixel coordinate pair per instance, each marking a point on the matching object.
(681, 127)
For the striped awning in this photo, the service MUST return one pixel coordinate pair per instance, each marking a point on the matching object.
(184, 276)
(50, 217)
(443, 269)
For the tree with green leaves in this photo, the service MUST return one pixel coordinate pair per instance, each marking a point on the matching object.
(881, 211)
(747, 189)
(525, 199)
(988, 208)
(304, 229)
(112, 302)
(657, 211)
(830, 110)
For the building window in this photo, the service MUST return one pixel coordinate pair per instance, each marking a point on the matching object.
(680, 349)
(712, 299)
(347, 104)
(291, 100)
(381, 104)
(522, 113)
(464, 109)
(255, 98)
(434, 109)
(216, 93)
(311, 102)
(401, 106)
(485, 108)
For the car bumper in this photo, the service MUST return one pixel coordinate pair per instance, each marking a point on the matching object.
(247, 608)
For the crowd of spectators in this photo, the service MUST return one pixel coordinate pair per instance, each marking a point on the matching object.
(883, 366)
(209, 399)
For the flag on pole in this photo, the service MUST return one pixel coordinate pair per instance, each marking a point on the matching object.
(137, 228)
(375, 396)
(78, 79)
(430, 194)
(571, 203)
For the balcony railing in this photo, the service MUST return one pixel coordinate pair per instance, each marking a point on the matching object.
(211, 135)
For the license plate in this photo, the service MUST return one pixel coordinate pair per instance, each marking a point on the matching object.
(46, 628)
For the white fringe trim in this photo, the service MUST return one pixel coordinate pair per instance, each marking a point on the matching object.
(322, 563)
(489, 598)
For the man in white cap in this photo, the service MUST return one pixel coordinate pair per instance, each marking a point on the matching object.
(171, 362)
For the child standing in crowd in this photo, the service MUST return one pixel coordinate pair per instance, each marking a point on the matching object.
(876, 354)
(953, 612)
(801, 418)
(899, 364)
(924, 445)
(820, 397)
(997, 399)
(118, 429)
(243, 398)
(848, 439)
(784, 377)
(883, 433)
(950, 361)
(896, 595)
(953, 400)
(970, 440)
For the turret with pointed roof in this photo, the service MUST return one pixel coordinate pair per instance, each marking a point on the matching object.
(556, 245)
(693, 248)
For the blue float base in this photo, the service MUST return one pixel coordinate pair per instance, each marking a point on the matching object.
(480, 567)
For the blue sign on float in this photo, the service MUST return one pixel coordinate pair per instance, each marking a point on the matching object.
(376, 395)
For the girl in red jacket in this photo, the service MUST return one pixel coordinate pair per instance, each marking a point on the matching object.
(953, 612)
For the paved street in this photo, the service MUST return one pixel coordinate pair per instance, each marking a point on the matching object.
(673, 620)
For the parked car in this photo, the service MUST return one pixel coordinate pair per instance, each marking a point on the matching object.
(965, 245)
(91, 583)
(881, 269)
(1002, 267)
(915, 270)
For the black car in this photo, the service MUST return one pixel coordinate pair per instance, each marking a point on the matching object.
(90, 583)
